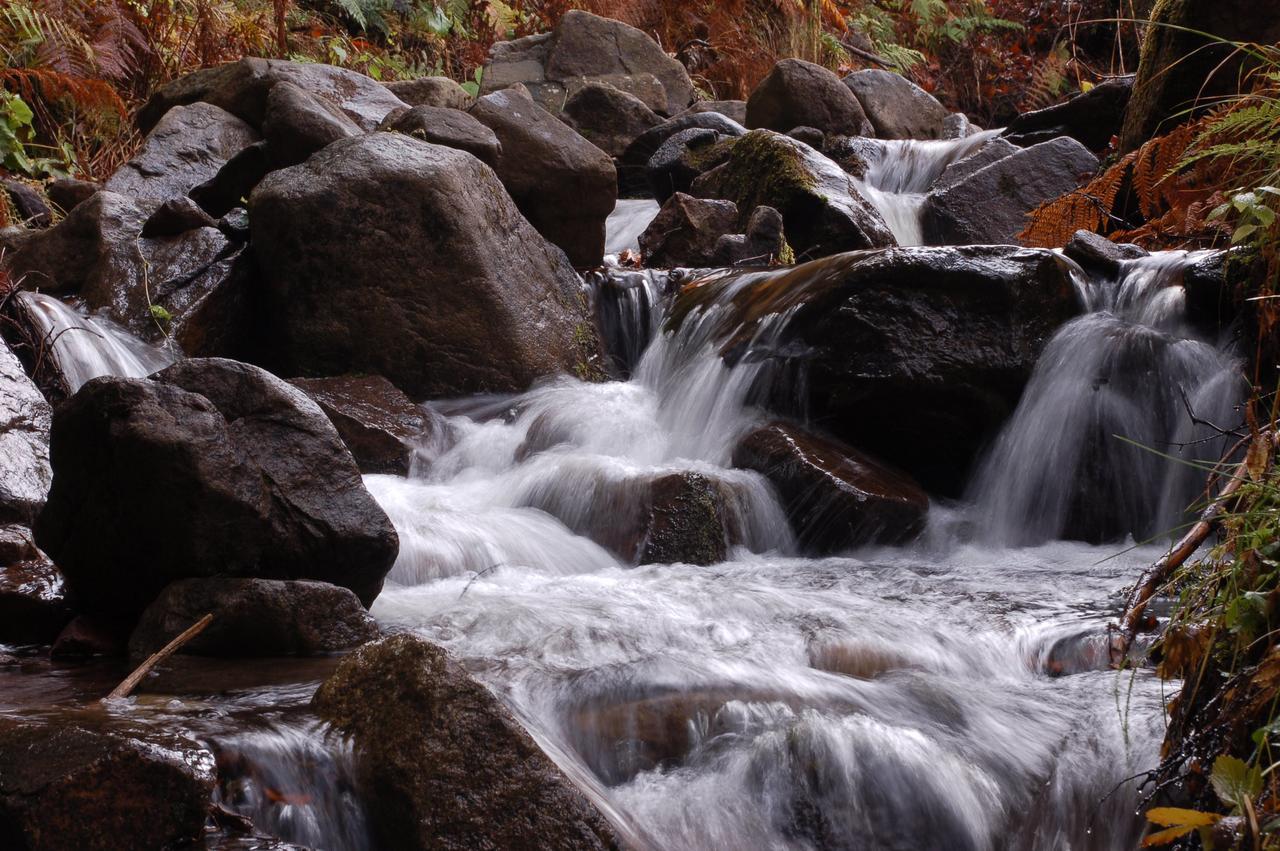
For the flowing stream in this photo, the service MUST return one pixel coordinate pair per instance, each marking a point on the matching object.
(949, 694)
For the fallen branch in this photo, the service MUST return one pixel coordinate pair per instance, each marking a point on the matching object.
(131, 682)
(866, 55)
(1157, 574)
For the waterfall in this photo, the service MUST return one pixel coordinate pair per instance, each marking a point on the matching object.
(87, 347)
(1113, 394)
(625, 224)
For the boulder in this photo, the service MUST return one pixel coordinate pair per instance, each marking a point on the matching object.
(916, 356)
(896, 107)
(176, 216)
(95, 241)
(33, 607)
(990, 206)
(835, 496)
(688, 521)
(960, 170)
(187, 147)
(242, 88)
(583, 48)
(1100, 255)
(608, 118)
(254, 617)
(32, 211)
(66, 786)
(453, 293)
(378, 423)
(89, 636)
(801, 94)
(686, 230)
(442, 764)
(431, 91)
(452, 128)
(821, 207)
(957, 126)
(25, 417)
(296, 124)
(735, 110)
(635, 160)
(213, 468)
(762, 244)
(564, 185)
(1092, 118)
(67, 192)
(683, 158)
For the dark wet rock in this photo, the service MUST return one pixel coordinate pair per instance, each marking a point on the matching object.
(24, 442)
(584, 48)
(95, 240)
(855, 154)
(896, 107)
(65, 787)
(732, 109)
(635, 160)
(688, 521)
(186, 148)
(963, 168)
(683, 158)
(176, 216)
(86, 636)
(296, 124)
(686, 230)
(377, 422)
(454, 293)
(235, 224)
(242, 88)
(564, 185)
(1098, 254)
(608, 118)
(811, 136)
(1092, 118)
(212, 468)
(822, 209)
(234, 181)
(1214, 285)
(990, 206)
(33, 607)
(27, 203)
(801, 94)
(763, 244)
(254, 617)
(67, 192)
(442, 764)
(452, 128)
(835, 496)
(431, 91)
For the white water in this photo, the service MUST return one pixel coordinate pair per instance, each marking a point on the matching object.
(625, 224)
(87, 347)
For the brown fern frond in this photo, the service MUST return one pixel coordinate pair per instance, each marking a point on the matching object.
(88, 94)
(1089, 208)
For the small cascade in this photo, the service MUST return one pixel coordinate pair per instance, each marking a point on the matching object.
(898, 181)
(1114, 392)
(625, 224)
(629, 306)
(88, 347)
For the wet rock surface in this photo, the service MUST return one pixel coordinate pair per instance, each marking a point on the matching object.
(608, 118)
(431, 91)
(376, 421)
(452, 128)
(243, 473)
(442, 764)
(896, 107)
(254, 617)
(25, 418)
(796, 93)
(296, 124)
(1091, 118)
(33, 605)
(455, 293)
(687, 230)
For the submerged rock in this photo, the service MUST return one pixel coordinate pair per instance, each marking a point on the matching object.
(896, 107)
(822, 209)
(453, 293)
(564, 185)
(835, 496)
(25, 417)
(796, 93)
(254, 617)
(214, 468)
(442, 764)
(377, 422)
(69, 787)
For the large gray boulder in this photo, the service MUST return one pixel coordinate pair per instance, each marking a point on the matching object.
(608, 118)
(584, 48)
(24, 442)
(297, 123)
(431, 91)
(187, 147)
(214, 468)
(242, 88)
(990, 206)
(452, 128)
(896, 107)
(440, 762)
(565, 186)
(451, 293)
(821, 207)
(797, 93)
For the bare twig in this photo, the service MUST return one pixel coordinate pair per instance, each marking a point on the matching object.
(131, 682)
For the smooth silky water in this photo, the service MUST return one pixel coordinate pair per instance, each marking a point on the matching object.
(950, 694)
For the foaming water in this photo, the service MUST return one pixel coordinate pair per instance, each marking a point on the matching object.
(625, 224)
(88, 347)
(1111, 396)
